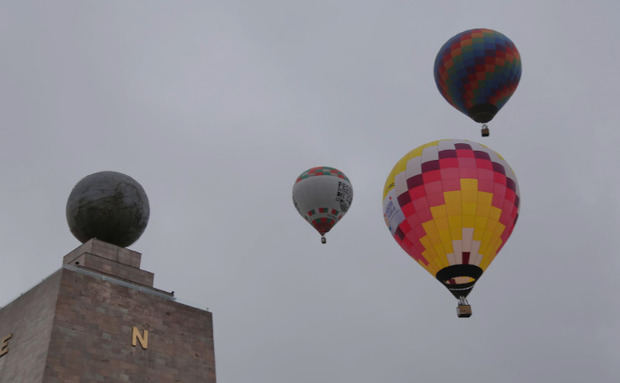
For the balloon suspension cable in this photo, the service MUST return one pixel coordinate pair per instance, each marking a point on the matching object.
(485, 130)
(463, 310)
(323, 239)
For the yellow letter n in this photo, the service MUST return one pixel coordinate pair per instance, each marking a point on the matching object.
(142, 338)
(4, 345)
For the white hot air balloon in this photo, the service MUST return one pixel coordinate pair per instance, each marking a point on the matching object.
(322, 195)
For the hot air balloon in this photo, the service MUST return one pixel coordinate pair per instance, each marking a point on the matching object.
(322, 195)
(451, 205)
(477, 71)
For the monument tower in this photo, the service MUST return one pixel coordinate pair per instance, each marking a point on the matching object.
(99, 318)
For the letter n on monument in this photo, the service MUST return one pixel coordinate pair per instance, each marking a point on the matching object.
(142, 338)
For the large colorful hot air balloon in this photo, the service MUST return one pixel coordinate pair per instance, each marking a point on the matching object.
(477, 71)
(451, 205)
(322, 195)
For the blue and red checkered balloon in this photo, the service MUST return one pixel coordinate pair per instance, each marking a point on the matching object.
(477, 71)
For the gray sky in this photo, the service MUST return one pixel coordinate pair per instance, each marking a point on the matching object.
(216, 107)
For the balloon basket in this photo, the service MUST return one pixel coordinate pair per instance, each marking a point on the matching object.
(463, 310)
(323, 240)
(485, 131)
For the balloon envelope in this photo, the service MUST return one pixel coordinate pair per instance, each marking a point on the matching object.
(477, 71)
(451, 205)
(322, 195)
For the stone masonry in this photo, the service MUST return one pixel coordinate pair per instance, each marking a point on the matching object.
(98, 319)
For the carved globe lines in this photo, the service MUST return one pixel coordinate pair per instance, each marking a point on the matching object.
(109, 206)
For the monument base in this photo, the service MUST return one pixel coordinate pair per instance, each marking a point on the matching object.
(99, 319)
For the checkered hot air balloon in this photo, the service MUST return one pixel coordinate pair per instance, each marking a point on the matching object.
(322, 195)
(451, 205)
(477, 71)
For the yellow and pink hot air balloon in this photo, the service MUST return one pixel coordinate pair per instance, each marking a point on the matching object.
(451, 205)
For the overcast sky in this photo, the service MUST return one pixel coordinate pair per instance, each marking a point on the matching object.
(216, 108)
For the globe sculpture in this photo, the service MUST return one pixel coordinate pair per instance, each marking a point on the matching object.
(109, 206)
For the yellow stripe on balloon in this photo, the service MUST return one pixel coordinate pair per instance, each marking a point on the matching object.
(401, 166)
(480, 225)
(453, 202)
(484, 204)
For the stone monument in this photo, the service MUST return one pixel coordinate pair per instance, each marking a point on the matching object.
(99, 318)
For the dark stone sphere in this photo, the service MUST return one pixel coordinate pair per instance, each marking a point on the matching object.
(109, 206)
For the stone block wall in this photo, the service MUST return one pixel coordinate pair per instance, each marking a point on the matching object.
(92, 332)
(29, 320)
(82, 324)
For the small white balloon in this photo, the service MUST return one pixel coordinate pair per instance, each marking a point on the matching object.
(322, 195)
